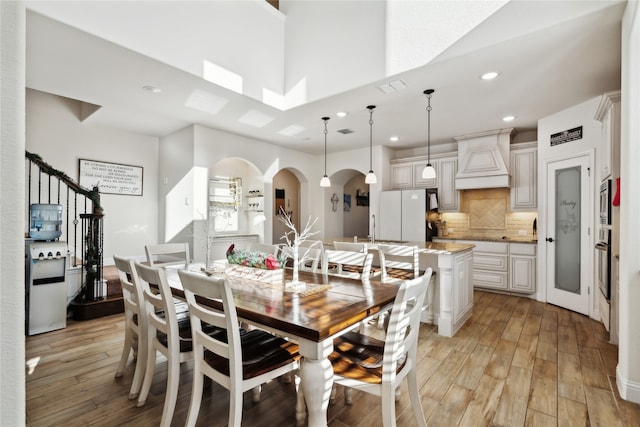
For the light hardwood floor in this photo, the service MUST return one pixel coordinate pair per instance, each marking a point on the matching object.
(516, 362)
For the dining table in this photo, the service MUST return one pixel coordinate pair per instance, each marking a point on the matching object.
(312, 313)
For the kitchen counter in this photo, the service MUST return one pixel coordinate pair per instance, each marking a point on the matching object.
(425, 247)
(491, 239)
(450, 301)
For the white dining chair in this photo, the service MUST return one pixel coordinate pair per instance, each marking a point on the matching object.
(350, 246)
(356, 265)
(398, 262)
(308, 257)
(135, 323)
(239, 360)
(364, 363)
(168, 254)
(168, 333)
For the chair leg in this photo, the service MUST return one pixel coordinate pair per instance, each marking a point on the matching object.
(414, 395)
(173, 381)
(332, 397)
(255, 394)
(388, 406)
(235, 406)
(196, 398)
(348, 395)
(126, 349)
(138, 376)
(150, 366)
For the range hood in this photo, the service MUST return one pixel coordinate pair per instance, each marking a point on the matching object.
(483, 160)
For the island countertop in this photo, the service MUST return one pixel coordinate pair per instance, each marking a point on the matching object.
(425, 247)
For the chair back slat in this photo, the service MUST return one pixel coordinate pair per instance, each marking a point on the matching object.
(404, 323)
(168, 254)
(398, 257)
(161, 302)
(359, 261)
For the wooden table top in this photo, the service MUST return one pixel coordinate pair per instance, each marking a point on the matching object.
(326, 305)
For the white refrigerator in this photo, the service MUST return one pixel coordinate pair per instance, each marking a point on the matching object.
(403, 215)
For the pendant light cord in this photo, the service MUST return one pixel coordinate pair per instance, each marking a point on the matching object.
(428, 92)
(326, 119)
(371, 107)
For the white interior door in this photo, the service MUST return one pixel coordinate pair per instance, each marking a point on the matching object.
(567, 238)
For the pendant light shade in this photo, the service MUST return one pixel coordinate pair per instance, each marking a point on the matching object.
(429, 172)
(325, 181)
(371, 177)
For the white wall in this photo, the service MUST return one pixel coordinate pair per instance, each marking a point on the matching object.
(628, 371)
(579, 115)
(54, 132)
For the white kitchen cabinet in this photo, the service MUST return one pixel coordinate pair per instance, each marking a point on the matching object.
(406, 175)
(503, 266)
(522, 267)
(448, 196)
(608, 113)
(418, 180)
(402, 175)
(524, 177)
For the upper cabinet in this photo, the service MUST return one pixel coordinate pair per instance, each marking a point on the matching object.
(524, 177)
(409, 175)
(449, 197)
(418, 180)
(608, 114)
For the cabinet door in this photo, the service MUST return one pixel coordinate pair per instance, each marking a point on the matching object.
(447, 194)
(418, 181)
(524, 180)
(402, 175)
(523, 274)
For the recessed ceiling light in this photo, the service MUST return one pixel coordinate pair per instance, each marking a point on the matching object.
(489, 76)
(508, 118)
(394, 138)
(341, 114)
(152, 89)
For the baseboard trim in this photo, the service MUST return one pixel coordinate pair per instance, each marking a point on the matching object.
(629, 390)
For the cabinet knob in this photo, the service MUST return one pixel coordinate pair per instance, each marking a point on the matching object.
(549, 239)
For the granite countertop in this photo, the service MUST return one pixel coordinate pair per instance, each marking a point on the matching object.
(522, 239)
(425, 247)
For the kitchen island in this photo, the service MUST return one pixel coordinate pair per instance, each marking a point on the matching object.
(450, 300)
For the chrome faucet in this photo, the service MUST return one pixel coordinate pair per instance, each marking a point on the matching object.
(373, 234)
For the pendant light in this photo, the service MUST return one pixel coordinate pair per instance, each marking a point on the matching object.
(429, 172)
(325, 181)
(371, 177)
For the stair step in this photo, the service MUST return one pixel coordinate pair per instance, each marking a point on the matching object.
(94, 309)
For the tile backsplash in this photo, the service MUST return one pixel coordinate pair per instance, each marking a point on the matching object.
(485, 213)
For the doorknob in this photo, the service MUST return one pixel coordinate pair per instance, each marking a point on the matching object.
(549, 239)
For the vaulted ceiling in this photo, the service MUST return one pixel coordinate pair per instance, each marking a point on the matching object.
(315, 58)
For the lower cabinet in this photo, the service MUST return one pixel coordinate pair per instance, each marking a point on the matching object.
(522, 265)
(506, 267)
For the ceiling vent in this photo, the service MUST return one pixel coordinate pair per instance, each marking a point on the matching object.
(345, 131)
(483, 160)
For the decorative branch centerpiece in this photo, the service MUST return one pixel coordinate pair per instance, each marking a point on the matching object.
(293, 239)
(254, 265)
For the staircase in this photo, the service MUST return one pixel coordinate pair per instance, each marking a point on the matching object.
(45, 184)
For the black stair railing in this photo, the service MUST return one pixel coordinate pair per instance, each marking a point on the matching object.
(45, 184)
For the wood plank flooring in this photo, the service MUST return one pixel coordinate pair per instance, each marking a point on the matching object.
(516, 362)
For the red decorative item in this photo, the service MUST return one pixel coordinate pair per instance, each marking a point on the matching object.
(616, 198)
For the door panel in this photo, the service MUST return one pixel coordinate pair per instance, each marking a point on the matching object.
(567, 238)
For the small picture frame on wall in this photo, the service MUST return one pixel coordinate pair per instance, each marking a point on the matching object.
(347, 202)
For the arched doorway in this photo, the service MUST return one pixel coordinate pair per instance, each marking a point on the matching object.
(349, 214)
(286, 189)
